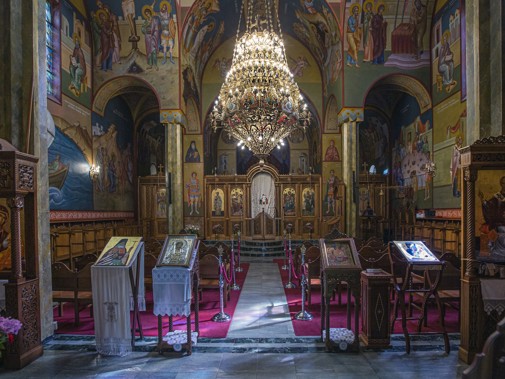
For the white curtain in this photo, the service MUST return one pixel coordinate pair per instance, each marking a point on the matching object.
(263, 195)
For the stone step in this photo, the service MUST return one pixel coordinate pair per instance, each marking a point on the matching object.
(256, 248)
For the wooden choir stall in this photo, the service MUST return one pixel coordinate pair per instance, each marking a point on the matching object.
(18, 186)
(175, 284)
(483, 243)
(340, 263)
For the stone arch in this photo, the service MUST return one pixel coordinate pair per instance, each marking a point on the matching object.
(119, 86)
(403, 83)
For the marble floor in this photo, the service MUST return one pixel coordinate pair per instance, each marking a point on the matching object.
(260, 344)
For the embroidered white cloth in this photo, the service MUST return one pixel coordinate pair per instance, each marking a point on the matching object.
(172, 290)
(493, 295)
(112, 302)
(111, 309)
(179, 337)
(342, 336)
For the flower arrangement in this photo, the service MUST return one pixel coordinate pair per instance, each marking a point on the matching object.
(192, 228)
(9, 327)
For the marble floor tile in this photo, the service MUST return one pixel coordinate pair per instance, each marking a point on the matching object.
(261, 344)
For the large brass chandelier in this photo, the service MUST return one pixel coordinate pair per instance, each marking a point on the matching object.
(259, 103)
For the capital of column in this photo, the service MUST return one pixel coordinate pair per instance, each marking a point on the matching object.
(172, 117)
(469, 175)
(17, 202)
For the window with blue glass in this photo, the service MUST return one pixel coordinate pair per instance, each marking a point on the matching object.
(52, 15)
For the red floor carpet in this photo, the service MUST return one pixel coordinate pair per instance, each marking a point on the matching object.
(338, 313)
(209, 306)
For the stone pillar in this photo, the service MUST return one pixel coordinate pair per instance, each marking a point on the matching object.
(485, 46)
(41, 139)
(23, 101)
(350, 174)
(174, 171)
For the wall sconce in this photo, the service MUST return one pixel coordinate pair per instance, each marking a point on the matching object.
(429, 168)
(94, 171)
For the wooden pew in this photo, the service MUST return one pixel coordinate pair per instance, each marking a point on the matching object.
(71, 286)
(490, 363)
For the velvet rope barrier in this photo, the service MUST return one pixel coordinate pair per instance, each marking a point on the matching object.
(221, 316)
(285, 266)
(225, 274)
(238, 268)
(290, 284)
(303, 315)
(234, 286)
(292, 265)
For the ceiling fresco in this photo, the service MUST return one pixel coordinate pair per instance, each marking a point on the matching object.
(210, 23)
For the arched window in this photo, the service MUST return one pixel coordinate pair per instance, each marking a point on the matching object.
(53, 65)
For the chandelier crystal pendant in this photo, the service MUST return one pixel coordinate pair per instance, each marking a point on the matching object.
(260, 103)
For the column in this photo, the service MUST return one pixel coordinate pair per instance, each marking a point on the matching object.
(23, 121)
(350, 174)
(174, 167)
(485, 45)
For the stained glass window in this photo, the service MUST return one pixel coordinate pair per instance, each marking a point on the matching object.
(53, 49)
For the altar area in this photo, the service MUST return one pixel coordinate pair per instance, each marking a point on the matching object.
(263, 204)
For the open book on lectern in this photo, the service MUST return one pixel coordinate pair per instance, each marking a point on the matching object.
(416, 251)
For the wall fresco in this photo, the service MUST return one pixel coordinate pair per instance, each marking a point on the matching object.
(136, 38)
(113, 152)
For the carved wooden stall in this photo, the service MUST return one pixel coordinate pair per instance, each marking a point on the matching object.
(18, 184)
(483, 166)
(373, 199)
(153, 205)
(296, 199)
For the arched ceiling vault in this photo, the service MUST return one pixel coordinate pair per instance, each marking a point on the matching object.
(122, 86)
(390, 89)
(212, 23)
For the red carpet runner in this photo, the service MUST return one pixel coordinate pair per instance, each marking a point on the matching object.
(338, 313)
(209, 306)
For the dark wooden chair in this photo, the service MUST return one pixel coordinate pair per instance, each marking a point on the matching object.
(450, 284)
(149, 263)
(297, 255)
(152, 246)
(369, 257)
(313, 270)
(374, 243)
(81, 262)
(209, 271)
(71, 286)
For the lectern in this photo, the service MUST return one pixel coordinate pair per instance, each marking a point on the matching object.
(408, 260)
(117, 280)
(340, 263)
(175, 283)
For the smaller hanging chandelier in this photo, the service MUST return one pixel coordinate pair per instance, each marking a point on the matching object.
(260, 103)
